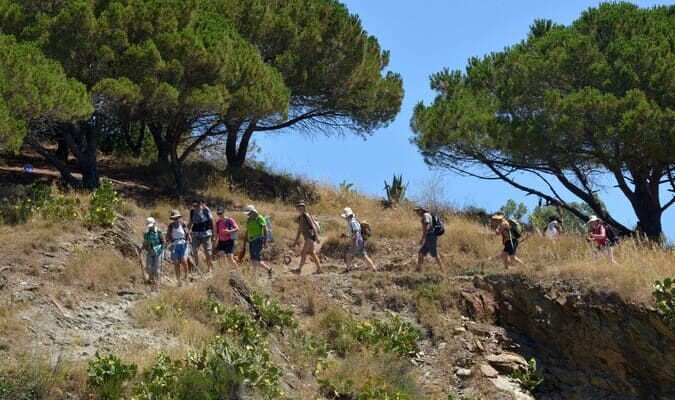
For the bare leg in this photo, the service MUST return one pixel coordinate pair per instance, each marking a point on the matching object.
(370, 262)
(349, 258)
(420, 261)
(505, 259)
(439, 261)
(517, 260)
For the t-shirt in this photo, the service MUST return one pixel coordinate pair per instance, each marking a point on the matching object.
(354, 229)
(254, 227)
(552, 229)
(154, 239)
(600, 235)
(305, 228)
(222, 226)
(177, 231)
(201, 220)
(428, 219)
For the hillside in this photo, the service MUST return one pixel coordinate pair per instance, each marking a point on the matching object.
(69, 292)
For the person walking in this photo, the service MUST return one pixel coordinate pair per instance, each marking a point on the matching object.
(599, 236)
(178, 236)
(226, 234)
(357, 246)
(553, 228)
(201, 226)
(310, 232)
(153, 243)
(256, 236)
(503, 229)
(428, 241)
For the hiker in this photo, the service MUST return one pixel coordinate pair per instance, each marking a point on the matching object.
(256, 236)
(153, 243)
(553, 228)
(178, 236)
(357, 246)
(600, 237)
(504, 229)
(201, 227)
(310, 232)
(429, 239)
(226, 234)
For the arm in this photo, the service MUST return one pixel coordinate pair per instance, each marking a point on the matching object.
(425, 230)
(296, 242)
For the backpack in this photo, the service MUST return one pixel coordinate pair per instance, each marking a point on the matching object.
(365, 229)
(612, 237)
(516, 229)
(437, 227)
(317, 224)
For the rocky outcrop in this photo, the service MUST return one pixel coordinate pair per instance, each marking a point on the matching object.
(589, 345)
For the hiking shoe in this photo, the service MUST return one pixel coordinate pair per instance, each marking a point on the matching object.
(296, 271)
(269, 273)
(317, 272)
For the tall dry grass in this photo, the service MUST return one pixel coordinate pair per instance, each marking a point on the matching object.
(103, 270)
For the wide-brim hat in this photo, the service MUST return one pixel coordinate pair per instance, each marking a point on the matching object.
(149, 222)
(420, 208)
(497, 217)
(175, 214)
(593, 218)
(300, 204)
(347, 212)
(249, 209)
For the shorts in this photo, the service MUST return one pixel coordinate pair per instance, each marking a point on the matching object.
(510, 247)
(226, 246)
(204, 241)
(153, 263)
(430, 246)
(255, 247)
(179, 251)
(361, 251)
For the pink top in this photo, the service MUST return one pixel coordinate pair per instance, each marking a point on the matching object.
(599, 235)
(222, 226)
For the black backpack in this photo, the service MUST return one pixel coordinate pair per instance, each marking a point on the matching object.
(437, 227)
(611, 235)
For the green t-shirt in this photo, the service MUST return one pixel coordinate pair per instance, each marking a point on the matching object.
(255, 227)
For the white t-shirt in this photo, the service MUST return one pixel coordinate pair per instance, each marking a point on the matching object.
(552, 229)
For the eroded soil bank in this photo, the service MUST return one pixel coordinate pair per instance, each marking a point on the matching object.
(588, 344)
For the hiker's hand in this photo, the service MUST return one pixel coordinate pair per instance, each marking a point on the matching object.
(317, 240)
(343, 236)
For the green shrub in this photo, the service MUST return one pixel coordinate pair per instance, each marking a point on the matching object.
(271, 313)
(103, 203)
(108, 375)
(60, 209)
(393, 335)
(664, 295)
(531, 378)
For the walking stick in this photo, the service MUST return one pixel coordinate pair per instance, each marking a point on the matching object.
(242, 253)
(144, 273)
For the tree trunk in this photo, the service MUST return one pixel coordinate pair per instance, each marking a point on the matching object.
(648, 210)
(61, 149)
(237, 156)
(90, 172)
(162, 146)
(178, 173)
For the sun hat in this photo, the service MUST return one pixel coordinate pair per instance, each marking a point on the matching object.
(249, 209)
(593, 219)
(300, 204)
(347, 212)
(149, 222)
(497, 217)
(418, 208)
(220, 210)
(175, 214)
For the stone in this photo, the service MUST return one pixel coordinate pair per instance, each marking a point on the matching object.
(507, 363)
(488, 371)
(463, 372)
(459, 329)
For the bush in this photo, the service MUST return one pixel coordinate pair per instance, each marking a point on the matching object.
(102, 206)
(108, 375)
(531, 378)
(664, 295)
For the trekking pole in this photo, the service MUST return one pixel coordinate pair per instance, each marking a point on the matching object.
(242, 253)
(144, 274)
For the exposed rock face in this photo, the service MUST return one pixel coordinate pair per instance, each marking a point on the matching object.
(588, 345)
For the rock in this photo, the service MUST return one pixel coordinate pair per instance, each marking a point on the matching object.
(459, 329)
(506, 385)
(442, 345)
(463, 372)
(507, 363)
(488, 371)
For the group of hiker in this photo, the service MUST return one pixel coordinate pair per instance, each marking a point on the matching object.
(204, 232)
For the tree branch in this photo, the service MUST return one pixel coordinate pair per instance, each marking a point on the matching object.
(60, 166)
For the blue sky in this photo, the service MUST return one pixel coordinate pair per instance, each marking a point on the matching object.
(424, 37)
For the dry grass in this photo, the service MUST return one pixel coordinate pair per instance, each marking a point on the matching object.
(103, 270)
